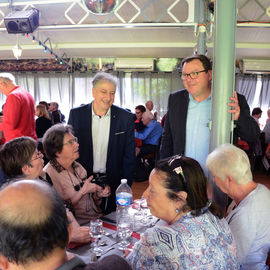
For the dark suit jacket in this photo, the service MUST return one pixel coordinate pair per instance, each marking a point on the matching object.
(174, 133)
(121, 147)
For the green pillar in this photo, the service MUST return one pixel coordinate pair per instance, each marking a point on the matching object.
(201, 44)
(223, 78)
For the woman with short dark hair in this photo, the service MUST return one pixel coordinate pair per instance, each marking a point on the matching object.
(19, 158)
(194, 236)
(69, 178)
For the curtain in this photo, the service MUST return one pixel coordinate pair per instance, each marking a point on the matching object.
(47, 87)
(156, 87)
(82, 89)
(2, 101)
(264, 100)
(72, 90)
(246, 85)
(68, 90)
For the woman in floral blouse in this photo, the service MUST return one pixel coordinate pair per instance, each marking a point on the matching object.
(194, 237)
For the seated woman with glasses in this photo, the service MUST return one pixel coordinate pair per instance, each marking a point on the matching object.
(69, 178)
(194, 236)
(19, 159)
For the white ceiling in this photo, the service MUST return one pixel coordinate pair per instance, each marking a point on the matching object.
(139, 28)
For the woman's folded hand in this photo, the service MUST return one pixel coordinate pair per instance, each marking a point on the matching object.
(104, 192)
(89, 187)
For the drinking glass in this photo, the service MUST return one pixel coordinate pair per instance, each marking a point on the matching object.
(124, 230)
(144, 210)
(96, 231)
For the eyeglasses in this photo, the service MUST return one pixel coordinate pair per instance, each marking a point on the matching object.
(192, 75)
(39, 155)
(71, 141)
(177, 170)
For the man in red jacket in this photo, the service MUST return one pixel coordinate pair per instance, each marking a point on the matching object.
(19, 110)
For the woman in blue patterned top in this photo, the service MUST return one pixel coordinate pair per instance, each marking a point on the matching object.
(195, 237)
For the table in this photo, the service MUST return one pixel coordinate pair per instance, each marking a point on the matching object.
(111, 238)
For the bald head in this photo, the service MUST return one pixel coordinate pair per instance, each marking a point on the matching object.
(33, 222)
(149, 105)
(27, 202)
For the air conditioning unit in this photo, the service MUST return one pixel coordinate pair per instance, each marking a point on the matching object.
(257, 66)
(134, 64)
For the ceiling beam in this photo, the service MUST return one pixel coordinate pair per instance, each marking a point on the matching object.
(98, 45)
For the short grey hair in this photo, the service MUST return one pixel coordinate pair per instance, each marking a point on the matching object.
(104, 77)
(229, 160)
(7, 77)
(148, 114)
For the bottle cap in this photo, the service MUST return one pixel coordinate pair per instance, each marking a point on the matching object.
(123, 181)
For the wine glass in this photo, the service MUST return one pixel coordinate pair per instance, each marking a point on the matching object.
(96, 231)
(124, 230)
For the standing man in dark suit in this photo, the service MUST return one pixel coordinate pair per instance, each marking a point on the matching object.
(186, 129)
(106, 136)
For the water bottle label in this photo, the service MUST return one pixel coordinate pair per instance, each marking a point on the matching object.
(124, 201)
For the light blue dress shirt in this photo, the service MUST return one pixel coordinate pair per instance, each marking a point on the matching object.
(150, 134)
(197, 130)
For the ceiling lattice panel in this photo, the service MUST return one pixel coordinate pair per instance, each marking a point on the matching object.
(129, 11)
(137, 28)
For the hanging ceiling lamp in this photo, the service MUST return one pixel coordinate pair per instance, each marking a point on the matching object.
(101, 7)
(17, 50)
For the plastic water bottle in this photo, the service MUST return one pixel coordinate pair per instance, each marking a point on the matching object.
(123, 199)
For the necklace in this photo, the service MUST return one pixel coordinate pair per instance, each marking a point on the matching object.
(78, 186)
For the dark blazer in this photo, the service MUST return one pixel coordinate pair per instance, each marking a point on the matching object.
(121, 147)
(174, 133)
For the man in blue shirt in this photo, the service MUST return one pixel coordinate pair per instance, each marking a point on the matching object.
(150, 135)
(190, 107)
(186, 129)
